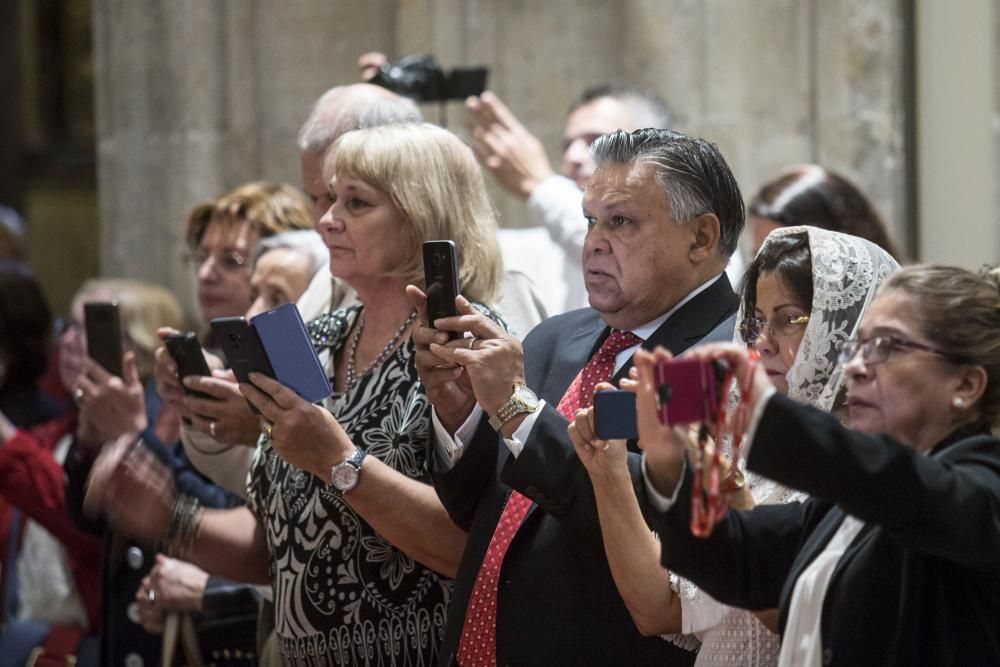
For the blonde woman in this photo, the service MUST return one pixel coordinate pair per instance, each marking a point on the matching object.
(342, 519)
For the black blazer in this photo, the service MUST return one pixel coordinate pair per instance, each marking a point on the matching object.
(920, 585)
(557, 602)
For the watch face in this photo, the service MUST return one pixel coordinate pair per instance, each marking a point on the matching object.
(345, 476)
(527, 397)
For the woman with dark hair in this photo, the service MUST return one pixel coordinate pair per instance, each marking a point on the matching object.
(25, 333)
(806, 290)
(812, 195)
(901, 526)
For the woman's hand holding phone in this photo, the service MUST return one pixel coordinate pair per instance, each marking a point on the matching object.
(664, 445)
(305, 435)
(224, 405)
(110, 406)
(601, 458)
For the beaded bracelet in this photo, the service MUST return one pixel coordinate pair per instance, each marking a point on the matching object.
(185, 522)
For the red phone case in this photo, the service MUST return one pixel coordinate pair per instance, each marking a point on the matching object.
(686, 391)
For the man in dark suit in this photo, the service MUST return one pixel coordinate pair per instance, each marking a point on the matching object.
(534, 587)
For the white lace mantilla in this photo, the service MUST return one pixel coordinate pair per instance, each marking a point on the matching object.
(847, 271)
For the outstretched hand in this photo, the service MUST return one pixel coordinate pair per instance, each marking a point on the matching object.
(504, 146)
(663, 445)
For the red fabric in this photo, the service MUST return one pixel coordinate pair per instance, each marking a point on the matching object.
(61, 643)
(32, 481)
(477, 646)
(599, 369)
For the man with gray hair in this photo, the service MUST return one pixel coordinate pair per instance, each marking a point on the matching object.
(550, 249)
(336, 112)
(664, 213)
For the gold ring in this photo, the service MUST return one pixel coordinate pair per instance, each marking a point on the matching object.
(211, 428)
(268, 427)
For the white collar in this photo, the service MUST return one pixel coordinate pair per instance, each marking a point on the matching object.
(647, 330)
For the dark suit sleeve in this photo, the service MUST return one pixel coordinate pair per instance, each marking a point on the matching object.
(746, 559)
(946, 504)
(550, 473)
(460, 489)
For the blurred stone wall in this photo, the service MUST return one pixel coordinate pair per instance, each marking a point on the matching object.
(196, 96)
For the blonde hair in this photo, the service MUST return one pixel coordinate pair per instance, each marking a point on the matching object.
(270, 208)
(435, 182)
(143, 308)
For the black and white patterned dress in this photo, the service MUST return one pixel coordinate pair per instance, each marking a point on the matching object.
(343, 595)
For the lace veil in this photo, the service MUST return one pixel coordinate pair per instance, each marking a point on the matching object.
(846, 272)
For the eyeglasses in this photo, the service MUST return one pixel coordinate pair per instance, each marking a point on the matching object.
(878, 349)
(227, 262)
(64, 325)
(784, 328)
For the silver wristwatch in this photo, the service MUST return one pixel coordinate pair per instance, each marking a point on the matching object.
(522, 401)
(344, 476)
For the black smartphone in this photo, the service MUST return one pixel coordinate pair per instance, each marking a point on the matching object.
(186, 352)
(104, 334)
(441, 279)
(244, 353)
(614, 415)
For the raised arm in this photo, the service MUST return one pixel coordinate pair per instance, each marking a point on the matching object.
(919, 498)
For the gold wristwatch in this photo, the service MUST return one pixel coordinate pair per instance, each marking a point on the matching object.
(522, 401)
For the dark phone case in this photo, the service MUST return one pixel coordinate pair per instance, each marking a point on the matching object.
(687, 390)
(614, 415)
(242, 348)
(441, 279)
(104, 335)
(282, 333)
(186, 353)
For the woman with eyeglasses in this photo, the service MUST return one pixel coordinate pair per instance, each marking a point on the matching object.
(223, 235)
(805, 290)
(895, 556)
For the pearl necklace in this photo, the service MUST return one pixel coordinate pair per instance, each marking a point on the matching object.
(352, 375)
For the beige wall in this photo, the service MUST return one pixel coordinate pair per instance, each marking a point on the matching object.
(957, 106)
(195, 96)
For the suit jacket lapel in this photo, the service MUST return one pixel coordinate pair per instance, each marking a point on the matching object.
(692, 322)
(571, 356)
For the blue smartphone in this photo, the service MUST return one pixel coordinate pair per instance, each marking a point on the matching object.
(614, 415)
(284, 338)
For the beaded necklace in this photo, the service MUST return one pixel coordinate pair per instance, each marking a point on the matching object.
(352, 375)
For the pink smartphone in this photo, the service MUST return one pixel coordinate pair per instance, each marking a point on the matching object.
(687, 390)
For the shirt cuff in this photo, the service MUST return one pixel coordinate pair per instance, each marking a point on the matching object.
(659, 501)
(515, 443)
(449, 448)
(758, 412)
(555, 205)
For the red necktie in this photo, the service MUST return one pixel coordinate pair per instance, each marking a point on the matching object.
(477, 646)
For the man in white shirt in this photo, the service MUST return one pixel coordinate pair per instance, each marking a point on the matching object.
(664, 214)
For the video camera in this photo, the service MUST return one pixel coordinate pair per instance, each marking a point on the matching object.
(421, 78)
